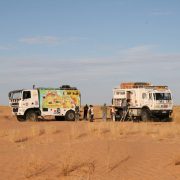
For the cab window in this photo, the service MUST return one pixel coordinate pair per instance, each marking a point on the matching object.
(26, 94)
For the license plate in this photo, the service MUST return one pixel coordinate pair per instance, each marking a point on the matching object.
(164, 112)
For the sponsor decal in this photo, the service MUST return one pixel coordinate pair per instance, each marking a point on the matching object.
(59, 98)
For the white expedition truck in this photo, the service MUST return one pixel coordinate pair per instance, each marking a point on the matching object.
(57, 102)
(144, 100)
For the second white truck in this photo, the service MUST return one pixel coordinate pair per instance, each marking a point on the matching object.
(145, 101)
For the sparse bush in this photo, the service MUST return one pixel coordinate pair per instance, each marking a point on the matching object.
(51, 129)
(15, 136)
(84, 169)
(35, 167)
(37, 131)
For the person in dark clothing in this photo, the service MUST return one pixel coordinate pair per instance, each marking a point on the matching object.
(85, 111)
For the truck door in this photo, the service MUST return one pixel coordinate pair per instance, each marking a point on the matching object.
(150, 100)
(145, 99)
(26, 101)
(29, 99)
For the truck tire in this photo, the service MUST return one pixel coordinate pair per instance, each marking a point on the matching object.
(70, 115)
(145, 115)
(31, 116)
(20, 118)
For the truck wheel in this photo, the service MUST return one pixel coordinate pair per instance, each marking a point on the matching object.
(145, 115)
(70, 115)
(31, 116)
(20, 118)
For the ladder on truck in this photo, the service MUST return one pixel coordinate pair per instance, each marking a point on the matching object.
(125, 115)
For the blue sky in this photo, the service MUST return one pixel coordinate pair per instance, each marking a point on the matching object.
(91, 44)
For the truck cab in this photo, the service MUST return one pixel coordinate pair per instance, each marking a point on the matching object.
(22, 101)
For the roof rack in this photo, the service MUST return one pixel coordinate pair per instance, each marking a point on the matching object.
(67, 87)
(130, 85)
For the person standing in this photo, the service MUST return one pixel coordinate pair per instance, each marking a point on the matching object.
(85, 111)
(124, 106)
(77, 113)
(104, 112)
(91, 113)
(112, 113)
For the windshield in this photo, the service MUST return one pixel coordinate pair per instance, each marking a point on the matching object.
(15, 95)
(162, 96)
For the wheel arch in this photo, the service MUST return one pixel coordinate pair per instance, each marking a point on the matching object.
(145, 108)
(37, 110)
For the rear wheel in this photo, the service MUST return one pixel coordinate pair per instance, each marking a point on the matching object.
(31, 116)
(70, 115)
(145, 115)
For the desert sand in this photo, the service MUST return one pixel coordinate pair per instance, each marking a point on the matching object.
(83, 150)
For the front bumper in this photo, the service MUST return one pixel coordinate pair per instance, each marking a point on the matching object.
(161, 112)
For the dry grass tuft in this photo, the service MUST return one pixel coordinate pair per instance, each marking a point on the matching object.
(37, 131)
(15, 136)
(83, 168)
(3, 133)
(105, 131)
(7, 117)
(35, 167)
(51, 129)
(92, 128)
(76, 134)
(41, 132)
(177, 163)
(176, 114)
(21, 139)
(82, 135)
(123, 129)
(116, 165)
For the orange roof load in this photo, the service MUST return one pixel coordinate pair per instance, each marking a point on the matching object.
(129, 85)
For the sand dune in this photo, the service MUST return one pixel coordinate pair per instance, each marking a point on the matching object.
(94, 151)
